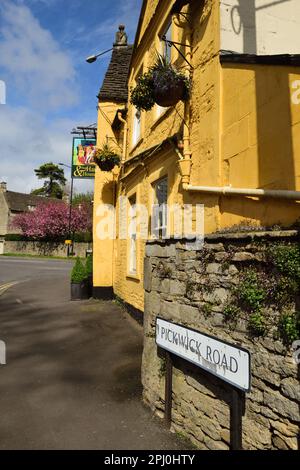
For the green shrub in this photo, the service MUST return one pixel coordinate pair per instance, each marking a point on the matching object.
(78, 272)
(89, 265)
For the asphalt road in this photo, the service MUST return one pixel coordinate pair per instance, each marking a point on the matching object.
(20, 269)
(72, 378)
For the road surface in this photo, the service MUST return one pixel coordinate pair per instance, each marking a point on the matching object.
(72, 378)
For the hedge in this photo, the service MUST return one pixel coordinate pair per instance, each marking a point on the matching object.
(78, 238)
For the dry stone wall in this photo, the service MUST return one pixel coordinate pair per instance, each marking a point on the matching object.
(44, 248)
(196, 289)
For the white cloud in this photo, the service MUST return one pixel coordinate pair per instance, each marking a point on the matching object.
(128, 14)
(33, 59)
(27, 141)
(33, 62)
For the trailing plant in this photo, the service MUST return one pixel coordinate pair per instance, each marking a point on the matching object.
(231, 312)
(265, 295)
(162, 84)
(289, 327)
(78, 273)
(142, 96)
(257, 323)
(286, 259)
(106, 158)
(285, 289)
(250, 292)
(207, 310)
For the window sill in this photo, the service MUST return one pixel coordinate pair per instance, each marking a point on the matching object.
(136, 145)
(134, 277)
(160, 118)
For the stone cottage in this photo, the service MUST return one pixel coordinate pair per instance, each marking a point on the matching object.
(11, 204)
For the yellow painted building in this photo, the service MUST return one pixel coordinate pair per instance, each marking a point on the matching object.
(240, 132)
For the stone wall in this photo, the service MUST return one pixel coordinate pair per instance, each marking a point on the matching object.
(201, 402)
(43, 248)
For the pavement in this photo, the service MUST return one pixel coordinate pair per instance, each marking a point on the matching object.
(72, 373)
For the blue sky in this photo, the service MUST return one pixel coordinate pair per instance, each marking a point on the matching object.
(50, 87)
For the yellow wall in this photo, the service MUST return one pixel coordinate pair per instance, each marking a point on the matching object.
(103, 194)
(126, 286)
(260, 141)
(244, 132)
(156, 128)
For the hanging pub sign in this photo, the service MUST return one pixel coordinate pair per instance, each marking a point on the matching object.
(226, 361)
(83, 157)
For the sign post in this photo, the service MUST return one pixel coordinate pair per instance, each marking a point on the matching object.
(168, 389)
(236, 413)
(228, 362)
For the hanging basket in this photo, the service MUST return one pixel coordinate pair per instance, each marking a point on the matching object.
(170, 93)
(106, 165)
(106, 159)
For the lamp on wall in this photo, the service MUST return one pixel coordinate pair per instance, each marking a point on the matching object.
(93, 58)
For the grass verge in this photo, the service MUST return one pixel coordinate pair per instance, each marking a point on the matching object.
(23, 255)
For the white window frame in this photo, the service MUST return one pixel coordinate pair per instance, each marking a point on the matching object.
(160, 217)
(132, 232)
(137, 126)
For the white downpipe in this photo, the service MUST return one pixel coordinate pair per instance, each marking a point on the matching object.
(228, 191)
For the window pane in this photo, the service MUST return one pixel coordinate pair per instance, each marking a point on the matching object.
(161, 190)
(166, 49)
(160, 209)
(132, 236)
(136, 127)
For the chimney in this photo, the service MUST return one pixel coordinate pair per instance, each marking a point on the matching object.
(3, 187)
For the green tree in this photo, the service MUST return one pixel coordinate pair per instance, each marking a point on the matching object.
(55, 180)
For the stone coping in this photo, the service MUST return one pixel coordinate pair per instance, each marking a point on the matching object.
(235, 236)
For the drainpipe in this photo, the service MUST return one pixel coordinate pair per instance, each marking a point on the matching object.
(228, 191)
(120, 117)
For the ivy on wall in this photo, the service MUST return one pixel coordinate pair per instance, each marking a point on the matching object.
(268, 293)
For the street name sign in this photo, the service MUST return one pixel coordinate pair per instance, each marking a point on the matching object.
(226, 361)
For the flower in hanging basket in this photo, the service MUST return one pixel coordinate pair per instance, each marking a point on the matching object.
(106, 159)
(162, 84)
(142, 95)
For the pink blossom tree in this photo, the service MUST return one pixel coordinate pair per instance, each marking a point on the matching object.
(50, 221)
